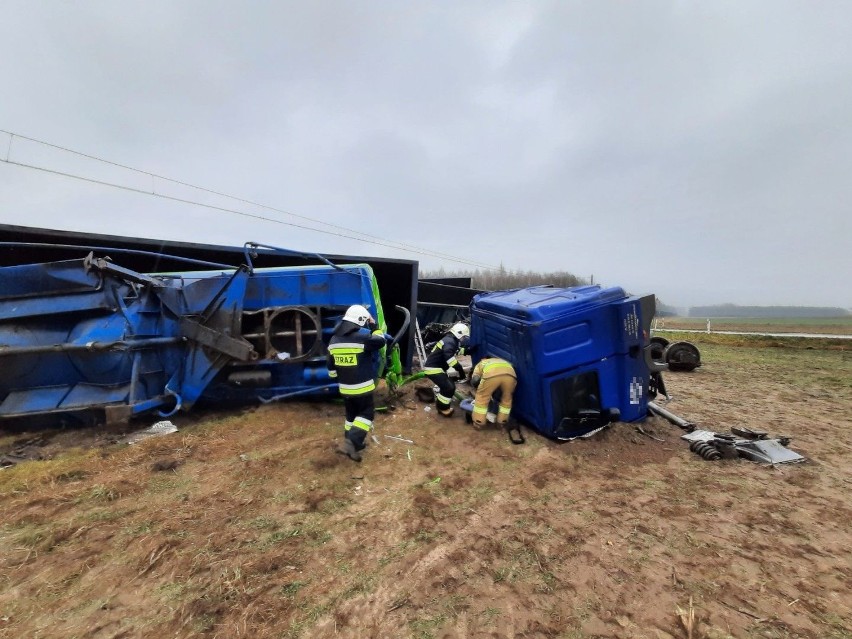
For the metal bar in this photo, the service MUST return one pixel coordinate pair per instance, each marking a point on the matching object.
(307, 331)
(674, 419)
(134, 377)
(91, 346)
(113, 249)
(99, 263)
(298, 332)
(236, 348)
(253, 246)
(441, 305)
(295, 393)
(418, 344)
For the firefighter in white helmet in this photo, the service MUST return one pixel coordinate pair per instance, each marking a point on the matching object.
(443, 356)
(350, 362)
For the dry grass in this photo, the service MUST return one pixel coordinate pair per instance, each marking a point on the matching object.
(245, 524)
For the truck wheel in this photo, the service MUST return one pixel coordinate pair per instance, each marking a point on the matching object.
(658, 347)
(682, 356)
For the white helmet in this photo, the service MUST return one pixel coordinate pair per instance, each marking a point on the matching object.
(357, 314)
(460, 330)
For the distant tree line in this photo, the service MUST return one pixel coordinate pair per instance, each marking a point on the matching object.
(733, 310)
(664, 310)
(503, 279)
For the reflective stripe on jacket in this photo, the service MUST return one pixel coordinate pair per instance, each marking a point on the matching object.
(444, 355)
(350, 359)
(491, 367)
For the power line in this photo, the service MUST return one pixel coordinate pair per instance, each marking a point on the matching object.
(364, 237)
(234, 211)
(173, 181)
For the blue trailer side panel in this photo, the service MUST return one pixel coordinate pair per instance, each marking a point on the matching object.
(89, 334)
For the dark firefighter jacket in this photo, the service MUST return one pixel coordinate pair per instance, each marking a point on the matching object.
(349, 358)
(444, 355)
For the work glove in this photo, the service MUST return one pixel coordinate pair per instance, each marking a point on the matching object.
(460, 370)
(388, 338)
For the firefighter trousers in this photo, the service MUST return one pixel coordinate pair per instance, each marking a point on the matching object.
(360, 410)
(444, 398)
(505, 384)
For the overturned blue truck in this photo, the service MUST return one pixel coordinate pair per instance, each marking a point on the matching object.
(109, 328)
(80, 335)
(582, 354)
(89, 339)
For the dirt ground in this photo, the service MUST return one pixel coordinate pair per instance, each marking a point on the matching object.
(246, 524)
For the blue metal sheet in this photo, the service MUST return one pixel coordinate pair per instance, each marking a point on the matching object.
(96, 334)
(84, 395)
(541, 303)
(36, 400)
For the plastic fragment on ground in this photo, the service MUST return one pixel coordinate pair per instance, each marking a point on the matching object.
(164, 427)
(699, 436)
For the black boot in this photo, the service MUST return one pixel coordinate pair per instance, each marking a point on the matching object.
(444, 409)
(348, 449)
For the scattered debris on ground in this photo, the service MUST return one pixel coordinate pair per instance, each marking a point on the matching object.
(245, 524)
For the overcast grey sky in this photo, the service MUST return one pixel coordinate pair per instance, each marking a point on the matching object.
(701, 151)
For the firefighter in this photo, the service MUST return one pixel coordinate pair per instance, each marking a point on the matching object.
(443, 356)
(350, 362)
(494, 378)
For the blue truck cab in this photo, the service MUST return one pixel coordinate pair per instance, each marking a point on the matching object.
(578, 353)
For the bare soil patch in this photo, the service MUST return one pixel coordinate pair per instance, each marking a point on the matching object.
(247, 524)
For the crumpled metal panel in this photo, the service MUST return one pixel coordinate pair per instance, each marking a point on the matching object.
(699, 436)
(768, 451)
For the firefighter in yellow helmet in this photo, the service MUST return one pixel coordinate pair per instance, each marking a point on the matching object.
(443, 356)
(350, 362)
(495, 378)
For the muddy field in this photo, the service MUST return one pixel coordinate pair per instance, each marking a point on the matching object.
(246, 524)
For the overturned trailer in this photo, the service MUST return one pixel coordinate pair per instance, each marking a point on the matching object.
(91, 337)
(29, 245)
